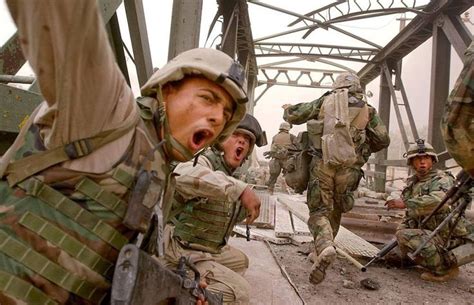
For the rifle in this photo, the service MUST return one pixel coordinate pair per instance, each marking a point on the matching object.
(387, 248)
(141, 279)
(463, 183)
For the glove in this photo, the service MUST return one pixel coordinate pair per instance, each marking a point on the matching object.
(267, 154)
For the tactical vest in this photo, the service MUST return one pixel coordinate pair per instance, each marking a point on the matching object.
(339, 108)
(203, 224)
(61, 230)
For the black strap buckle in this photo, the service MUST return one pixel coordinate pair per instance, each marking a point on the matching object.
(78, 149)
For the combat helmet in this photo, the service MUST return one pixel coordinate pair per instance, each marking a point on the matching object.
(250, 126)
(420, 148)
(215, 66)
(347, 80)
(285, 126)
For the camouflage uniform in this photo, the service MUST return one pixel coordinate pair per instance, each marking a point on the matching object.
(457, 123)
(281, 142)
(205, 210)
(63, 223)
(330, 188)
(421, 196)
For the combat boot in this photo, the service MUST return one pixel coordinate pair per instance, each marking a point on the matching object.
(432, 277)
(321, 263)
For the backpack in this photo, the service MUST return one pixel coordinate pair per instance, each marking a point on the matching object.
(337, 144)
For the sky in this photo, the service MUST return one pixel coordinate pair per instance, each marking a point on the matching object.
(416, 66)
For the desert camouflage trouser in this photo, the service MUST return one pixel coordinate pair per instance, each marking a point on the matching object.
(330, 193)
(433, 256)
(223, 272)
(276, 167)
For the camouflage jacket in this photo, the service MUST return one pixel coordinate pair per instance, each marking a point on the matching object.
(457, 123)
(421, 196)
(62, 225)
(203, 180)
(376, 132)
(206, 205)
(281, 142)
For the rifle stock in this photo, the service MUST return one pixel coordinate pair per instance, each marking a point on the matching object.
(387, 248)
(140, 279)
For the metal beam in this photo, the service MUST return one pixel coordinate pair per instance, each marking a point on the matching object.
(15, 106)
(412, 36)
(384, 114)
(388, 76)
(324, 26)
(139, 37)
(459, 36)
(439, 86)
(115, 37)
(5, 79)
(11, 56)
(185, 26)
(411, 120)
(229, 28)
(314, 51)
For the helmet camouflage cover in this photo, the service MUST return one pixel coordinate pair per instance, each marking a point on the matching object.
(420, 148)
(347, 80)
(214, 65)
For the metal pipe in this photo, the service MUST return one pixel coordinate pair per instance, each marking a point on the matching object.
(5, 78)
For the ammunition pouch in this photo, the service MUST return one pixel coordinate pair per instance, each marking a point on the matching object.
(297, 167)
(315, 131)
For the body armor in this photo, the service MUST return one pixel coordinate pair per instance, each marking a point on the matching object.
(203, 224)
(79, 215)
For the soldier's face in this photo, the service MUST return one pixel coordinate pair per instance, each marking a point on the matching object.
(236, 148)
(422, 164)
(197, 111)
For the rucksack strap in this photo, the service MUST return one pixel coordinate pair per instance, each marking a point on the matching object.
(23, 168)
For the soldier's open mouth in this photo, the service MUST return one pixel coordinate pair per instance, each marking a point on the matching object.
(239, 151)
(200, 137)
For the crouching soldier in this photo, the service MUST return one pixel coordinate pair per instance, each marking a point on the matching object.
(64, 192)
(208, 203)
(448, 250)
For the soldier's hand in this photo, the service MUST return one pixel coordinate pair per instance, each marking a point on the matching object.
(201, 300)
(251, 203)
(395, 204)
(284, 106)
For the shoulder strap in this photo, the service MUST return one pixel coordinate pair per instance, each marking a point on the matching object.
(21, 169)
(362, 118)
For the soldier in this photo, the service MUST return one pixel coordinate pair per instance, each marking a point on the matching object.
(457, 123)
(66, 181)
(426, 188)
(343, 131)
(208, 203)
(281, 142)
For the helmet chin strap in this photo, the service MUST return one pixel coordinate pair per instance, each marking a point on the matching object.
(171, 143)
